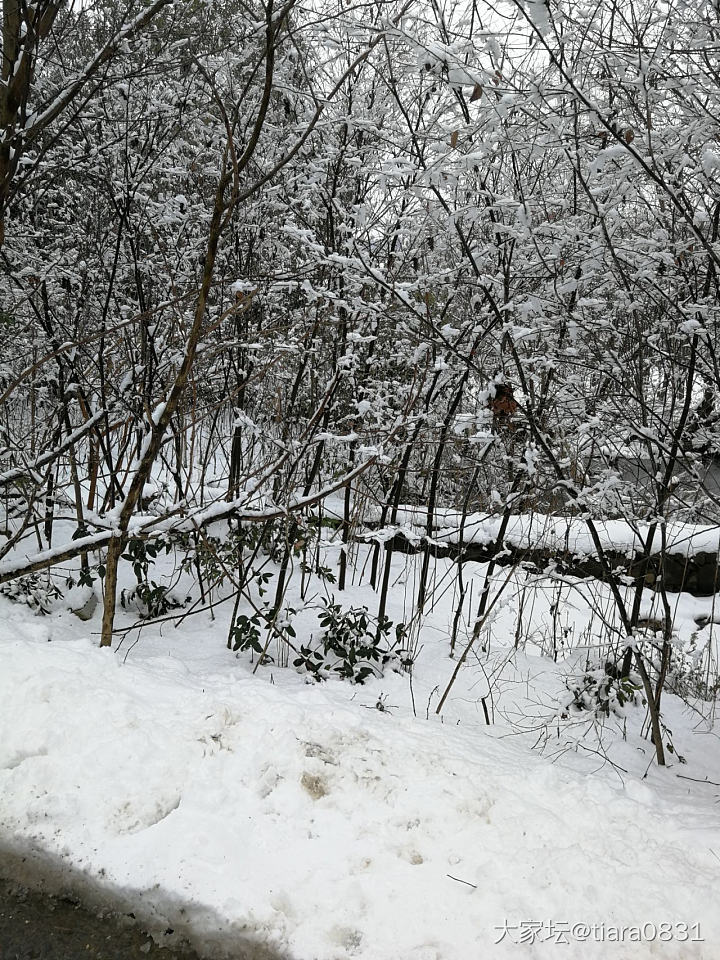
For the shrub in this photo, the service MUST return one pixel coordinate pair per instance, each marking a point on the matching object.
(603, 691)
(353, 645)
(151, 599)
(36, 591)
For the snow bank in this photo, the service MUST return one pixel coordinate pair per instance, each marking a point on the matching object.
(293, 816)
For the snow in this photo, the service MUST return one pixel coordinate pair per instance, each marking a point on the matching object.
(553, 533)
(216, 800)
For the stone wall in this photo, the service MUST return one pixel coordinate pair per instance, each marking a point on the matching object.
(698, 574)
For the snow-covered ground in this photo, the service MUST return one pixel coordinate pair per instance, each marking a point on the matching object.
(334, 821)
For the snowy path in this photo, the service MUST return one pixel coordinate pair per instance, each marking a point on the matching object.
(331, 831)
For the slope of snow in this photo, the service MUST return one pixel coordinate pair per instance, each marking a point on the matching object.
(225, 802)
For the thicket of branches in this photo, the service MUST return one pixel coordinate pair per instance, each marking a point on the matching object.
(255, 255)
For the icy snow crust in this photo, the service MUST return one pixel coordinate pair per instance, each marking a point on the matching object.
(236, 811)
